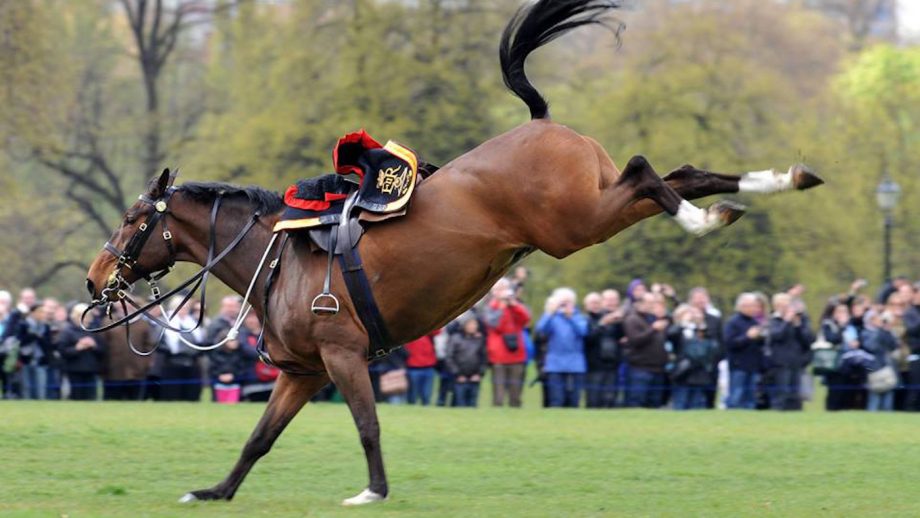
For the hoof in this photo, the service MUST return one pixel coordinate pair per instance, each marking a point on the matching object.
(701, 222)
(363, 498)
(200, 496)
(728, 211)
(804, 178)
(188, 498)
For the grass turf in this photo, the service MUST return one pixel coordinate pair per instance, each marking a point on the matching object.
(110, 459)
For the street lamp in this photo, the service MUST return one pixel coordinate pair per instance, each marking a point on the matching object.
(887, 194)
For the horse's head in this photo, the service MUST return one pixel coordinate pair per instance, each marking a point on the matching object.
(131, 254)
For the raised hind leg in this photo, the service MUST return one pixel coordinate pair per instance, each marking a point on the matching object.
(692, 183)
(642, 179)
(288, 397)
(348, 370)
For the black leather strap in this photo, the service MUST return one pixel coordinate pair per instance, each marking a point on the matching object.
(359, 289)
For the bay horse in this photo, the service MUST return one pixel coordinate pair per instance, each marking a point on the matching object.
(540, 186)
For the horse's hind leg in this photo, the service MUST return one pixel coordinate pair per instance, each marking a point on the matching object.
(288, 397)
(348, 370)
(639, 176)
(692, 183)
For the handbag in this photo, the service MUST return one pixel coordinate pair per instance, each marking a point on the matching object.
(882, 380)
(394, 382)
(512, 341)
(824, 359)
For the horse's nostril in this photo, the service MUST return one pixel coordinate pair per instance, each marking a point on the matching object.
(90, 287)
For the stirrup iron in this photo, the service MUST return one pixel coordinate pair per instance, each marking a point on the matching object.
(319, 308)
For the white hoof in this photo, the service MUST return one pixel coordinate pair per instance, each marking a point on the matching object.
(766, 181)
(701, 222)
(187, 498)
(364, 497)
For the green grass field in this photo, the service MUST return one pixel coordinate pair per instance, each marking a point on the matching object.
(109, 459)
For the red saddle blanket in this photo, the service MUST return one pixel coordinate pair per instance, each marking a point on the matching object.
(384, 177)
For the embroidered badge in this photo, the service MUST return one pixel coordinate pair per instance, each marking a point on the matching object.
(394, 179)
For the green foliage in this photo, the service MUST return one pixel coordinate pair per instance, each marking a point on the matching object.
(263, 92)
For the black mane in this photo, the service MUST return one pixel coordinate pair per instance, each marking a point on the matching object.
(262, 200)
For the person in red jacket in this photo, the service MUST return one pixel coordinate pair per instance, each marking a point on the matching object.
(505, 320)
(420, 368)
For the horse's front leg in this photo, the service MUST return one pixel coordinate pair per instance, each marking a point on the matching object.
(348, 370)
(288, 397)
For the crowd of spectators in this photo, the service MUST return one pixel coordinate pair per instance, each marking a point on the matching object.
(46, 354)
(648, 348)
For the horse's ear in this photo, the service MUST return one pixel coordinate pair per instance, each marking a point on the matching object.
(172, 177)
(163, 182)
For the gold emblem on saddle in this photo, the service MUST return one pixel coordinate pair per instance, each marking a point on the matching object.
(394, 179)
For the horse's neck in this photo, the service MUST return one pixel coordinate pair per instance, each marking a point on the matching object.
(238, 268)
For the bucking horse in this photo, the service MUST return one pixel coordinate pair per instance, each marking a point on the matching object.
(540, 186)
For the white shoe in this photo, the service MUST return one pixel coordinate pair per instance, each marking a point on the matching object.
(364, 497)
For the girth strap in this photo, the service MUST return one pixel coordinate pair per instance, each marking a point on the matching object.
(362, 297)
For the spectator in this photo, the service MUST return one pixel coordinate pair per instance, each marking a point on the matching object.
(6, 305)
(35, 351)
(911, 320)
(82, 355)
(634, 292)
(699, 298)
(259, 379)
(745, 337)
(13, 363)
(696, 355)
(790, 340)
(123, 371)
(181, 370)
(644, 327)
(228, 365)
(565, 328)
(466, 360)
(838, 330)
(878, 341)
(602, 348)
(420, 368)
(57, 319)
(226, 317)
(505, 318)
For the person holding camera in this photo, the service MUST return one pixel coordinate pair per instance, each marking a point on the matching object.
(505, 319)
(602, 348)
(696, 355)
(745, 338)
(565, 329)
(790, 338)
(644, 328)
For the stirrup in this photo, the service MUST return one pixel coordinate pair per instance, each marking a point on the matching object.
(320, 310)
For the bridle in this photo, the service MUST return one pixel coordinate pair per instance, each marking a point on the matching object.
(128, 258)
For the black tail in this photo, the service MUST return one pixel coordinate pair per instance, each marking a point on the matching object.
(535, 25)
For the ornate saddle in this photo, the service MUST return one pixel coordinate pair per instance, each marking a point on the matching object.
(371, 183)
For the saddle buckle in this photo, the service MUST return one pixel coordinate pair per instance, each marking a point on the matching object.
(319, 307)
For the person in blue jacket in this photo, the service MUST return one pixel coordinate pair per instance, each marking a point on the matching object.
(565, 328)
